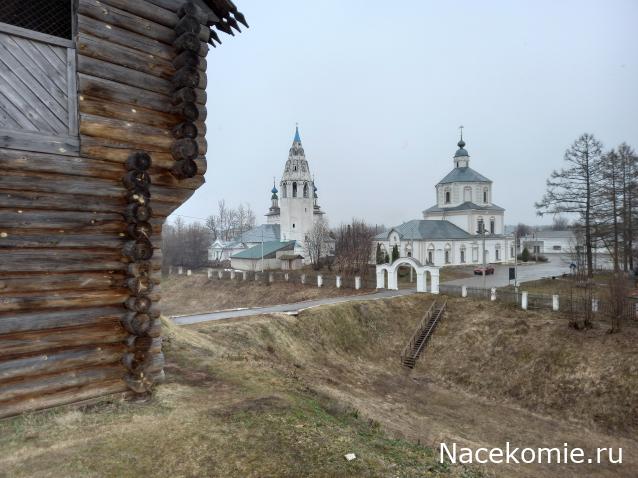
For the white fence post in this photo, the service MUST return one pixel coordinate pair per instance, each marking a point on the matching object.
(338, 282)
(555, 302)
(357, 282)
(286, 277)
(271, 277)
(180, 271)
(189, 272)
(493, 294)
(594, 305)
(244, 275)
(524, 300)
(209, 273)
(232, 275)
(463, 291)
(170, 270)
(303, 278)
(319, 280)
(220, 274)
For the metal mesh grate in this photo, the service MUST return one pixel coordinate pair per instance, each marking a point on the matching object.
(52, 17)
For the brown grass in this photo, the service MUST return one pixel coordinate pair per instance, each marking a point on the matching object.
(196, 294)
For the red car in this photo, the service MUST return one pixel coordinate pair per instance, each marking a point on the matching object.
(488, 270)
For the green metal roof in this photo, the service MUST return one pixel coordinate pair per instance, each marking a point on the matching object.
(426, 229)
(269, 250)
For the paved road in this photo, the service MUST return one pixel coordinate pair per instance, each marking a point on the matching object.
(556, 266)
(230, 314)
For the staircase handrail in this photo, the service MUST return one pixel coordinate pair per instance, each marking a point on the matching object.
(417, 352)
(422, 323)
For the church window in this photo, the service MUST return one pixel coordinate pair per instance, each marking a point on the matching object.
(294, 190)
(475, 254)
(305, 190)
(485, 195)
(448, 254)
(293, 225)
(463, 255)
(492, 225)
(294, 168)
(467, 194)
(497, 253)
(447, 197)
(431, 257)
(480, 226)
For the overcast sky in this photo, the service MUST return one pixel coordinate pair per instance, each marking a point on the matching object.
(379, 95)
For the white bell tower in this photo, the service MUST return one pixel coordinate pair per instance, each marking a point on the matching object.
(297, 195)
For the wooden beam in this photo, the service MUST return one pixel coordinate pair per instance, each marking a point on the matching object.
(34, 35)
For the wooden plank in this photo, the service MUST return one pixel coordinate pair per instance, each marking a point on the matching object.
(67, 202)
(72, 88)
(57, 90)
(204, 14)
(33, 35)
(31, 141)
(58, 361)
(50, 53)
(39, 57)
(7, 114)
(15, 97)
(66, 239)
(47, 105)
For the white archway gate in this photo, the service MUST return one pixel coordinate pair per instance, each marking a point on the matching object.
(421, 279)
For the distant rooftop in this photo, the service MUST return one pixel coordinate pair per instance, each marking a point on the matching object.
(421, 229)
(465, 206)
(268, 251)
(465, 174)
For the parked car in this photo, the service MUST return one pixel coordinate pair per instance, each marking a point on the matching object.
(488, 270)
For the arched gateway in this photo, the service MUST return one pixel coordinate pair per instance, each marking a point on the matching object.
(421, 282)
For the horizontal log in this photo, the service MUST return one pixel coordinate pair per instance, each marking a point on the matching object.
(204, 15)
(56, 361)
(117, 92)
(55, 163)
(115, 151)
(123, 75)
(147, 137)
(138, 250)
(65, 298)
(60, 220)
(39, 341)
(55, 239)
(54, 282)
(70, 395)
(184, 169)
(187, 24)
(145, 9)
(71, 202)
(52, 383)
(22, 322)
(100, 49)
(44, 260)
(140, 161)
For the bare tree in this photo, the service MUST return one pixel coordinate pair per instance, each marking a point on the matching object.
(353, 247)
(576, 188)
(560, 223)
(522, 230)
(617, 292)
(607, 224)
(629, 203)
(229, 223)
(185, 244)
(317, 242)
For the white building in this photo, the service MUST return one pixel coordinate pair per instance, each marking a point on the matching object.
(290, 217)
(550, 242)
(449, 234)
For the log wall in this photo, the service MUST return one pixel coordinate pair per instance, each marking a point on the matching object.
(65, 267)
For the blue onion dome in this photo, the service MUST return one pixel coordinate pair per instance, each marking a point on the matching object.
(274, 190)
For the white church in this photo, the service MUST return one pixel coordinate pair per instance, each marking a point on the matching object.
(279, 244)
(453, 231)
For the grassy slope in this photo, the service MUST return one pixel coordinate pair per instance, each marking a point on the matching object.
(289, 396)
(225, 411)
(535, 360)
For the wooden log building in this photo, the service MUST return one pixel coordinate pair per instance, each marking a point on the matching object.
(102, 136)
